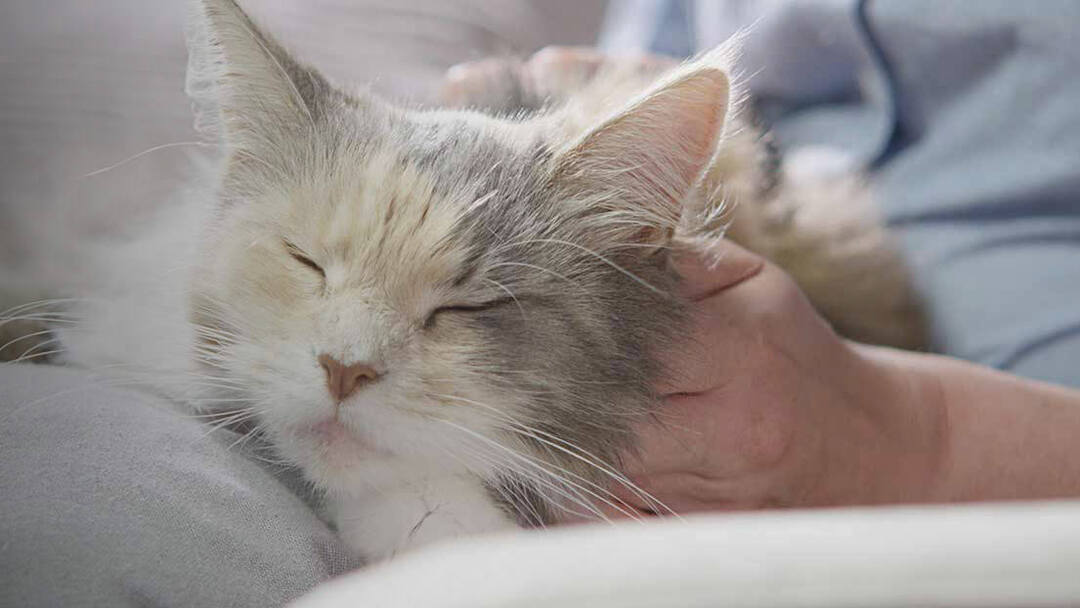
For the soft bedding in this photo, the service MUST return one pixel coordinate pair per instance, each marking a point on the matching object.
(112, 497)
(1012, 556)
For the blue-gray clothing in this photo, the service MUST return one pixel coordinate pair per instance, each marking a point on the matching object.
(968, 115)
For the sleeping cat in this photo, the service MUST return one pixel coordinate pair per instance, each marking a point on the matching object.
(448, 318)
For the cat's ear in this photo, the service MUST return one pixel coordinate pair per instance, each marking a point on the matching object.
(636, 170)
(245, 88)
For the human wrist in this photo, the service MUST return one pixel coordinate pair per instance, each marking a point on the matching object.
(898, 428)
(996, 436)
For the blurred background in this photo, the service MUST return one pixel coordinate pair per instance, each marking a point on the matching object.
(88, 84)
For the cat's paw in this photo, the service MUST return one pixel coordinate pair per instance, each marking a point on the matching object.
(417, 515)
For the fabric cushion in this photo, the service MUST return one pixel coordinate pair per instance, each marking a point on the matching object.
(110, 497)
(986, 556)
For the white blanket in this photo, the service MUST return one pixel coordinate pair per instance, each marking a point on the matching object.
(1016, 555)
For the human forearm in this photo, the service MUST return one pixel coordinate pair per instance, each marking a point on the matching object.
(1000, 436)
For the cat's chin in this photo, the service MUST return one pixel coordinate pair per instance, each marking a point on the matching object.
(331, 432)
(334, 446)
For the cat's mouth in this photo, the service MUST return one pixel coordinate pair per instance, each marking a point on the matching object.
(331, 431)
(331, 434)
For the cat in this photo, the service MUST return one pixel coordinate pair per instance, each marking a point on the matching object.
(449, 318)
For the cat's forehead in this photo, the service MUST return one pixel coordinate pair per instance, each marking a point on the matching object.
(455, 145)
(405, 207)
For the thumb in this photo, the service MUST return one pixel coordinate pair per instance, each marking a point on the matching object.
(705, 272)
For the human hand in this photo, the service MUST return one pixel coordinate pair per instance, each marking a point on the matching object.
(551, 74)
(767, 407)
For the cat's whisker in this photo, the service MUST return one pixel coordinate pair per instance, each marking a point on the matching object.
(215, 312)
(513, 498)
(244, 442)
(214, 309)
(598, 491)
(33, 352)
(133, 157)
(213, 357)
(24, 358)
(17, 339)
(591, 460)
(42, 307)
(544, 479)
(640, 246)
(40, 317)
(219, 415)
(538, 268)
(536, 473)
(651, 501)
(592, 484)
(484, 371)
(524, 316)
(573, 451)
(216, 333)
(244, 438)
(223, 400)
(518, 490)
(39, 304)
(515, 454)
(214, 354)
(227, 422)
(600, 257)
(479, 202)
(547, 490)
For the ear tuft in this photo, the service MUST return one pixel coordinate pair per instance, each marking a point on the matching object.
(243, 85)
(639, 166)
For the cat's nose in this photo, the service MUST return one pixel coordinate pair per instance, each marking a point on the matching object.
(343, 380)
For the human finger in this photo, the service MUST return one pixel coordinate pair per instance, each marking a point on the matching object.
(706, 273)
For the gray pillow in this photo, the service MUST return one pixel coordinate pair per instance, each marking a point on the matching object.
(111, 497)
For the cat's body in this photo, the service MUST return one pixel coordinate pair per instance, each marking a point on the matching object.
(446, 318)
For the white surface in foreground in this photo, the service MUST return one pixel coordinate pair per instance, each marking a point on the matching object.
(1018, 554)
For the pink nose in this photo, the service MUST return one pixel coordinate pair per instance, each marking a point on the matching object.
(343, 380)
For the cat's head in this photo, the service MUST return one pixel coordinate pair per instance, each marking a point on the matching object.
(432, 288)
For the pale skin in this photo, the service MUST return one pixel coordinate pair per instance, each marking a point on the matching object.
(769, 408)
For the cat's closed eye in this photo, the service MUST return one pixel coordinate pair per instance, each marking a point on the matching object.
(464, 308)
(301, 257)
